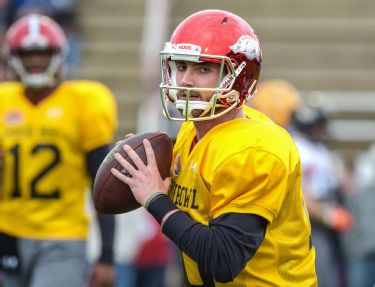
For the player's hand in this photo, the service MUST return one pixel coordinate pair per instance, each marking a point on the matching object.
(144, 180)
(102, 275)
(339, 219)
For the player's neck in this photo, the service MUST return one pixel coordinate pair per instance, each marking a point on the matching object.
(203, 127)
(35, 96)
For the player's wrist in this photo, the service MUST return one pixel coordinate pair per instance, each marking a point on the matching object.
(106, 258)
(159, 206)
(152, 197)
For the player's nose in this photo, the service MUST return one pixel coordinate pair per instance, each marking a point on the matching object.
(187, 78)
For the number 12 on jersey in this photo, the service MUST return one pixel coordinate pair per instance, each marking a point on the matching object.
(19, 167)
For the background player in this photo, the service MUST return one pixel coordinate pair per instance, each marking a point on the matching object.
(236, 175)
(278, 99)
(54, 136)
(308, 125)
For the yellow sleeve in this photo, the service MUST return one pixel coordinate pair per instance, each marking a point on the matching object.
(252, 181)
(98, 116)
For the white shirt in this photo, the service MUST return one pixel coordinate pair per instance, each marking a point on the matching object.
(318, 167)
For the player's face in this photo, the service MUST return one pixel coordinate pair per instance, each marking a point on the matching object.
(36, 61)
(197, 75)
(320, 133)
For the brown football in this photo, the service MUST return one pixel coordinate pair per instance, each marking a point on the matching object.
(112, 196)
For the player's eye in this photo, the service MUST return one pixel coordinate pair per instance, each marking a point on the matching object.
(204, 69)
(181, 66)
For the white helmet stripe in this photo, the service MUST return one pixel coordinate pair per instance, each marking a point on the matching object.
(34, 26)
(34, 37)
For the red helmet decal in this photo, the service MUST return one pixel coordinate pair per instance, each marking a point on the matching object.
(35, 32)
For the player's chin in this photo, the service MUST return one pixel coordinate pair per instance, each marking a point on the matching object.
(194, 113)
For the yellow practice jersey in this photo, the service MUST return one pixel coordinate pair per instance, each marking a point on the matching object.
(45, 178)
(248, 165)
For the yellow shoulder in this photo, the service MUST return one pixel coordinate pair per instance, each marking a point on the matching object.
(254, 114)
(10, 88)
(260, 133)
(97, 108)
(88, 90)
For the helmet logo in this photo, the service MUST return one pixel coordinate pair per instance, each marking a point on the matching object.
(183, 51)
(248, 46)
(182, 48)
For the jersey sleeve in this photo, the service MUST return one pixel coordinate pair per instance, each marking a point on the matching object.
(98, 117)
(252, 181)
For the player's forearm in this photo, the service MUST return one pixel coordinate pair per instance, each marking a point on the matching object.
(94, 158)
(106, 222)
(107, 226)
(221, 249)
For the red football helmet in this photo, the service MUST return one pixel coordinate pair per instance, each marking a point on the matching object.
(35, 33)
(211, 36)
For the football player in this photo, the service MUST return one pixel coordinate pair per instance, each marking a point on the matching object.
(54, 135)
(322, 191)
(280, 100)
(277, 99)
(234, 203)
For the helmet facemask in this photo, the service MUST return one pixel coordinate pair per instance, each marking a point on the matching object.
(47, 78)
(224, 97)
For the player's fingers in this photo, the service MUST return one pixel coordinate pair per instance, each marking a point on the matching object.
(125, 164)
(134, 157)
(151, 161)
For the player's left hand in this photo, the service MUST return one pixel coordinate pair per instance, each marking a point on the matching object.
(145, 180)
(102, 275)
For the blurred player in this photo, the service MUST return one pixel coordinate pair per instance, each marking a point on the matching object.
(359, 243)
(54, 136)
(277, 99)
(280, 100)
(234, 206)
(322, 192)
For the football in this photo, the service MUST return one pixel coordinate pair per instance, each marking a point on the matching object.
(112, 196)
